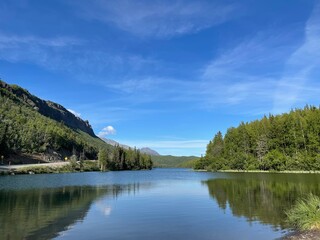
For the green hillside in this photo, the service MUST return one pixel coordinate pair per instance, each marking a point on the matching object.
(289, 141)
(24, 130)
(27, 135)
(169, 161)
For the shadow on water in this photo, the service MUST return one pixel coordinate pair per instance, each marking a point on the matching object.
(262, 197)
(44, 213)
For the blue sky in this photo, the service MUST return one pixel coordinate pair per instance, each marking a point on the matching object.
(164, 74)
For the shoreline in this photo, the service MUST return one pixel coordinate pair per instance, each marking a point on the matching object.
(43, 168)
(54, 167)
(308, 235)
(258, 171)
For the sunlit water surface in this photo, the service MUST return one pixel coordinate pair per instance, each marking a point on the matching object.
(157, 204)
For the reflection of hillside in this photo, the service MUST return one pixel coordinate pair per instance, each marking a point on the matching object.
(262, 198)
(43, 213)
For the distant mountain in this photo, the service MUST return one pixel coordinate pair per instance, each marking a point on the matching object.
(144, 150)
(114, 143)
(149, 151)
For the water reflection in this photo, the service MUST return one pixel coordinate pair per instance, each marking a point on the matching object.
(43, 213)
(262, 197)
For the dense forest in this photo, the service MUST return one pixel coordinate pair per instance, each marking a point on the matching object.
(168, 161)
(24, 130)
(119, 158)
(289, 141)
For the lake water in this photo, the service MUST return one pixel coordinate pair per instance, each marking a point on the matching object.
(156, 204)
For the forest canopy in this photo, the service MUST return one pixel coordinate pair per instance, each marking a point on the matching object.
(289, 141)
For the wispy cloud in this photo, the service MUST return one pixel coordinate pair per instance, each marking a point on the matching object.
(158, 18)
(261, 73)
(14, 40)
(300, 67)
(41, 51)
(252, 73)
(72, 56)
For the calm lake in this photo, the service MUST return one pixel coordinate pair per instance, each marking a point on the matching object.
(156, 204)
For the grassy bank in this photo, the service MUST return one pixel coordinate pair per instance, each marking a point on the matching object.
(256, 171)
(305, 215)
(304, 218)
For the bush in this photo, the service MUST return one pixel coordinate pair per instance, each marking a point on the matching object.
(274, 160)
(305, 215)
(89, 166)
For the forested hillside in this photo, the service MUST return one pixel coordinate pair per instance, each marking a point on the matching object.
(283, 142)
(168, 161)
(46, 108)
(25, 131)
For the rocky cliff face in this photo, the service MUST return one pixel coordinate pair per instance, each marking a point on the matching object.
(46, 108)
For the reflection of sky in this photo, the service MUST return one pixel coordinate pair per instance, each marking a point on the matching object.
(158, 204)
(103, 207)
(172, 209)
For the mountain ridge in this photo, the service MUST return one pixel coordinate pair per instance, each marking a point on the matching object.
(145, 150)
(47, 108)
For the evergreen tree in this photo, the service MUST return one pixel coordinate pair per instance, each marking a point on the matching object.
(103, 158)
(289, 141)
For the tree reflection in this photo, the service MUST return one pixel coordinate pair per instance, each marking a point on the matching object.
(43, 213)
(262, 197)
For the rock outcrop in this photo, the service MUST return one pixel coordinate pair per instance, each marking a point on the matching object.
(47, 108)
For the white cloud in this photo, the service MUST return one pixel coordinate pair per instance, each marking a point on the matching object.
(109, 130)
(157, 18)
(74, 113)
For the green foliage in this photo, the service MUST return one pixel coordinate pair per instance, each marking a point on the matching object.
(187, 163)
(273, 160)
(24, 130)
(102, 158)
(305, 215)
(202, 163)
(123, 159)
(45, 169)
(283, 142)
(90, 166)
(173, 161)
